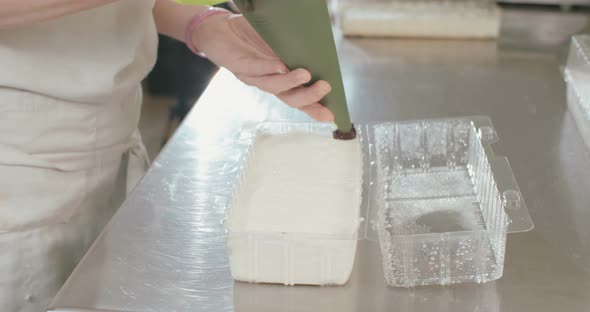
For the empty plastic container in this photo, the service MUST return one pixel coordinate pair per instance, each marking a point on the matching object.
(434, 195)
(440, 208)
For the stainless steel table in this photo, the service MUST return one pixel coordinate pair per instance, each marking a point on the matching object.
(165, 248)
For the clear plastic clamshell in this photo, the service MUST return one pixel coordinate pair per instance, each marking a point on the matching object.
(434, 195)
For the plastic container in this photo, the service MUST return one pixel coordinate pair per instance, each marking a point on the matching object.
(577, 76)
(419, 19)
(440, 214)
(434, 195)
(295, 215)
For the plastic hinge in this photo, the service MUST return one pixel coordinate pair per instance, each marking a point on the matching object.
(514, 205)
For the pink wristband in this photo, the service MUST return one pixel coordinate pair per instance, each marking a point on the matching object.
(195, 22)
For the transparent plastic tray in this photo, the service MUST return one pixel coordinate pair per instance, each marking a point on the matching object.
(421, 18)
(442, 202)
(292, 258)
(435, 196)
(577, 76)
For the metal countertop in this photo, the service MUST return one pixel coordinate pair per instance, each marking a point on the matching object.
(165, 248)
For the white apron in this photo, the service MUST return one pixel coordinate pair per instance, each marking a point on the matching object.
(70, 102)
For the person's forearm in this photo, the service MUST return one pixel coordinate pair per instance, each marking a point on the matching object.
(172, 18)
(15, 13)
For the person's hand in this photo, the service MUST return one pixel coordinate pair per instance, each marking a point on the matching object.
(231, 42)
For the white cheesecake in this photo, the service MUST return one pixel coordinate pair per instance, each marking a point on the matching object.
(295, 215)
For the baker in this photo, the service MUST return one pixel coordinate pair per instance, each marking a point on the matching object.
(70, 100)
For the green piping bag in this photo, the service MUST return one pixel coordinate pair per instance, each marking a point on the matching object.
(300, 33)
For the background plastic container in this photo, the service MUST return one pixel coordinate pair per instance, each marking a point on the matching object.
(577, 76)
(435, 196)
(419, 18)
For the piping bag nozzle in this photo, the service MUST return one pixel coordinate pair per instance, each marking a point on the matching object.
(341, 135)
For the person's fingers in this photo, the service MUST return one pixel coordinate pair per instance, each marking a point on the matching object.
(278, 83)
(255, 67)
(318, 112)
(242, 28)
(302, 96)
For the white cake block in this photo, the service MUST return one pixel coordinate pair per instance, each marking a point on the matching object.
(428, 19)
(295, 215)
